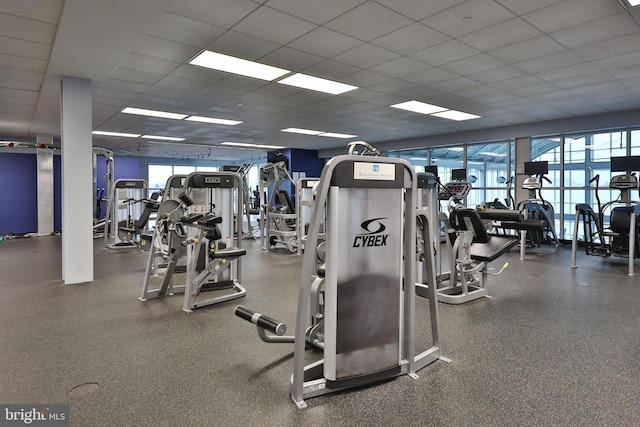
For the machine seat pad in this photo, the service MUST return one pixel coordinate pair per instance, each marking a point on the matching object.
(191, 218)
(229, 253)
(494, 248)
(527, 225)
(210, 220)
(127, 230)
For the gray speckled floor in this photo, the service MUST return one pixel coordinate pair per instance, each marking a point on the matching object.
(554, 346)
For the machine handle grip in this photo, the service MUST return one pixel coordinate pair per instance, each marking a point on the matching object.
(595, 178)
(260, 320)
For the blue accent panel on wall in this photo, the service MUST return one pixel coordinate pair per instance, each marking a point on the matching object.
(57, 193)
(18, 193)
(126, 167)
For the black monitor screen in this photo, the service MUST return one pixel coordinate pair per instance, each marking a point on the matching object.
(431, 169)
(536, 168)
(458, 174)
(626, 163)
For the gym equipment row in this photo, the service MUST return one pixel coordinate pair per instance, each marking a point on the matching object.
(621, 237)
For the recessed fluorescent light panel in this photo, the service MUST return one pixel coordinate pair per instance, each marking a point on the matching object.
(456, 115)
(163, 138)
(120, 134)
(247, 145)
(318, 133)
(634, 3)
(302, 131)
(337, 135)
(306, 81)
(213, 120)
(243, 67)
(419, 107)
(153, 113)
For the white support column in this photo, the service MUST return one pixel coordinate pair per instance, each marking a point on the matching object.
(77, 178)
(45, 184)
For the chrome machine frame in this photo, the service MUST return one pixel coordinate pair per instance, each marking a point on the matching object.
(360, 195)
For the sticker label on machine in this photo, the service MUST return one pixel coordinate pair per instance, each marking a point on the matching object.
(374, 171)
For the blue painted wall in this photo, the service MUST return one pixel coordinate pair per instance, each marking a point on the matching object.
(18, 193)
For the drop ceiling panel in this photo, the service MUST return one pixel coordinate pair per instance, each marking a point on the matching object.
(26, 29)
(13, 46)
(291, 59)
(411, 38)
(141, 62)
(528, 49)
(446, 52)
(400, 67)
(165, 49)
(324, 42)
(211, 11)
(503, 72)
(549, 62)
(473, 64)
(468, 17)
(419, 9)
(39, 10)
(181, 29)
(242, 46)
(571, 12)
(609, 48)
(506, 33)
(521, 7)
(22, 63)
(282, 28)
(21, 75)
(368, 21)
(596, 31)
(317, 12)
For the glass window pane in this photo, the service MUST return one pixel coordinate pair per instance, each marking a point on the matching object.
(183, 170)
(158, 175)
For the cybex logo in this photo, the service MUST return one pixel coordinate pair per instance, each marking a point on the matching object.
(373, 236)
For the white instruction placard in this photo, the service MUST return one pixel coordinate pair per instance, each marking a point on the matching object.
(374, 171)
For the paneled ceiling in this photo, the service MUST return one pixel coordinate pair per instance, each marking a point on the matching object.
(508, 61)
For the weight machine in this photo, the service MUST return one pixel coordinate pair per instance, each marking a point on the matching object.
(367, 281)
(103, 195)
(128, 212)
(278, 217)
(206, 226)
(622, 237)
(471, 249)
(535, 207)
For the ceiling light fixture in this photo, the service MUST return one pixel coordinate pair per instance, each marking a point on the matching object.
(243, 67)
(419, 107)
(153, 113)
(247, 145)
(306, 81)
(302, 131)
(455, 115)
(213, 120)
(120, 134)
(163, 138)
(337, 135)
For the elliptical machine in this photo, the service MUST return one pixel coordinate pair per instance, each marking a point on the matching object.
(622, 237)
(535, 206)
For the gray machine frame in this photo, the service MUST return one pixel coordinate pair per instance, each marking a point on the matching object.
(365, 175)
